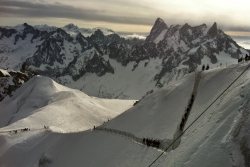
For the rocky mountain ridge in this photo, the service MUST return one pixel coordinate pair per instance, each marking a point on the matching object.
(168, 53)
(10, 80)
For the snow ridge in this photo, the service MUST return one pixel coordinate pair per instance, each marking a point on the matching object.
(218, 138)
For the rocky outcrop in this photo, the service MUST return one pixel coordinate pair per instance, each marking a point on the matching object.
(4, 32)
(11, 80)
(82, 41)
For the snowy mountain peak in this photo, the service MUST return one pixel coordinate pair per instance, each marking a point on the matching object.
(159, 21)
(45, 27)
(98, 32)
(71, 26)
(18, 27)
(104, 30)
(156, 31)
(185, 27)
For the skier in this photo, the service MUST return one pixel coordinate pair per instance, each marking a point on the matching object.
(203, 67)
(246, 58)
(207, 67)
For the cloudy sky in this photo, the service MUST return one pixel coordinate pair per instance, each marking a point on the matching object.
(232, 16)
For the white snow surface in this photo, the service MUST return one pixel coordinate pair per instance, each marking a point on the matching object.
(42, 102)
(220, 137)
(158, 115)
(223, 60)
(125, 84)
(5, 72)
(161, 36)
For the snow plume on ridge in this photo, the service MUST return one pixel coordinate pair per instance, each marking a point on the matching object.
(134, 36)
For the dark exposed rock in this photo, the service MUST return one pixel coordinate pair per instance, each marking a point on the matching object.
(47, 53)
(82, 40)
(212, 32)
(9, 83)
(118, 52)
(97, 37)
(156, 30)
(99, 66)
(6, 32)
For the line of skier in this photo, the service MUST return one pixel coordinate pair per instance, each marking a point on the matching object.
(242, 59)
(187, 111)
(15, 131)
(25, 129)
(151, 142)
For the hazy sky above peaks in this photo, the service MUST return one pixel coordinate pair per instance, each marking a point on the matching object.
(128, 15)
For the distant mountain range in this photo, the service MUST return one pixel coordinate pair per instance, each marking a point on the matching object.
(74, 30)
(105, 64)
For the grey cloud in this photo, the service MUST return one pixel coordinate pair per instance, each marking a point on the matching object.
(127, 3)
(238, 28)
(113, 11)
(57, 10)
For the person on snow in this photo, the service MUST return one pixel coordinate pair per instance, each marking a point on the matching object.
(207, 67)
(203, 67)
(246, 58)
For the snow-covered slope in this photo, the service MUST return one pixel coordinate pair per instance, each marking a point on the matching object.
(125, 84)
(41, 101)
(218, 138)
(159, 114)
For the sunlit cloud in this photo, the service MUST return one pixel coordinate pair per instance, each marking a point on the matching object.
(129, 15)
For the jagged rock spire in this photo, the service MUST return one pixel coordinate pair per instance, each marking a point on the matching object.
(185, 27)
(213, 30)
(158, 27)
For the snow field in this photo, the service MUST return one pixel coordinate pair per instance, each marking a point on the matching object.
(125, 84)
(16, 54)
(216, 139)
(89, 148)
(159, 114)
(42, 101)
(211, 140)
